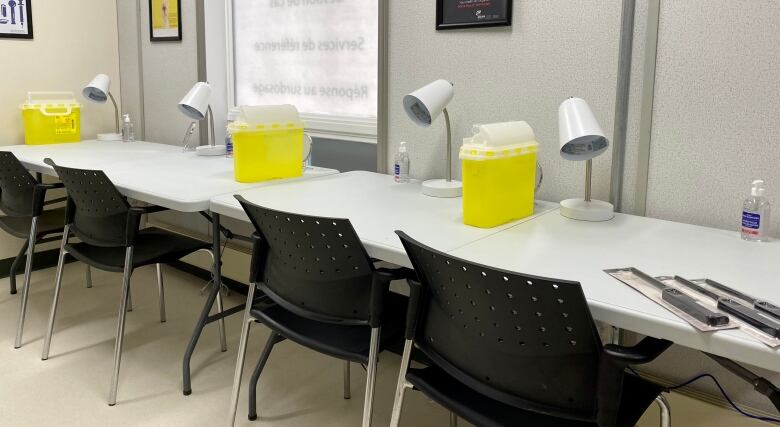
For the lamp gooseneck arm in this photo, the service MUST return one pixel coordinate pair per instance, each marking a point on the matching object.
(213, 140)
(116, 112)
(449, 145)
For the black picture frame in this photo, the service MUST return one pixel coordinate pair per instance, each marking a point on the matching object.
(29, 33)
(176, 38)
(502, 9)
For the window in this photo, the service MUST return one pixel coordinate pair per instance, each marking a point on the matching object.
(319, 55)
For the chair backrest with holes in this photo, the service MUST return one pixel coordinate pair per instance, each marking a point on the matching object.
(527, 341)
(97, 211)
(315, 267)
(16, 186)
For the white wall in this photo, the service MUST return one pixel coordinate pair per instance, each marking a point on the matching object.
(67, 51)
(131, 62)
(64, 55)
(716, 125)
(159, 74)
(169, 71)
(554, 49)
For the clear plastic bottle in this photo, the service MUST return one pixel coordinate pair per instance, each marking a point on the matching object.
(233, 115)
(128, 133)
(401, 168)
(755, 214)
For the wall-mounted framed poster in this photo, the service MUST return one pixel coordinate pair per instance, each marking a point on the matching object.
(16, 19)
(164, 20)
(452, 14)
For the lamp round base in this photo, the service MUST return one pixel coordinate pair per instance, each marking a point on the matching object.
(207, 150)
(442, 188)
(594, 210)
(109, 137)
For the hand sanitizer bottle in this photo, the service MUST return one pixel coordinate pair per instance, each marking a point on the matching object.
(755, 214)
(128, 134)
(401, 168)
(233, 115)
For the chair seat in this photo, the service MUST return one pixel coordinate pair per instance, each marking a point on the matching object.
(349, 342)
(483, 411)
(51, 221)
(152, 246)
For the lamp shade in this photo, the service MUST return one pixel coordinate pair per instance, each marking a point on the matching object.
(97, 89)
(581, 137)
(196, 102)
(425, 104)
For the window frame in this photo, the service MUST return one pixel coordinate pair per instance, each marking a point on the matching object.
(340, 127)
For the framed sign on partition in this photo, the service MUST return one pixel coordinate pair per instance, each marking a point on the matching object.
(452, 14)
(164, 20)
(16, 19)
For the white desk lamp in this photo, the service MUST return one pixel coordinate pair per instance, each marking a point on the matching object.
(98, 91)
(582, 139)
(195, 105)
(423, 106)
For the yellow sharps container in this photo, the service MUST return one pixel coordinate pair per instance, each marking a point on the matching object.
(51, 118)
(499, 174)
(267, 143)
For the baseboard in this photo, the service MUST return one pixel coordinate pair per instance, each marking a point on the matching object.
(42, 260)
(202, 273)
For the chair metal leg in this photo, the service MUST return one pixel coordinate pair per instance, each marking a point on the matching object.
(269, 345)
(161, 293)
(26, 289)
(120, 328)
(347, 391)
(56, 298)
(373, 359)
(88, 275)
(241, 354)
(400, 389)
(453, 419)
(666, 410)
(15, 266)
(129, 299)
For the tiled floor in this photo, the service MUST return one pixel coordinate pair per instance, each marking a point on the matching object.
(298, 387)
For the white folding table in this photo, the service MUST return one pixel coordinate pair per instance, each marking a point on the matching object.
(558, 247)
(547, 244)
(162, 175)
(376, 206)
(154, 173)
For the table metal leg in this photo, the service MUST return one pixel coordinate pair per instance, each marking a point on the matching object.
(216, 231)
(616, 336)
(204, 314)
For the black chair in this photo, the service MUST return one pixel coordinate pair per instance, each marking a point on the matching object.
(322, 291)
(510, 349)
(23, 201)
(111, 240)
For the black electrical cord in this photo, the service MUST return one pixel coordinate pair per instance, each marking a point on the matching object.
(722, 391)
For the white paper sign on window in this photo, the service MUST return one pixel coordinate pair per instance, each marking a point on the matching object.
(319, 55)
